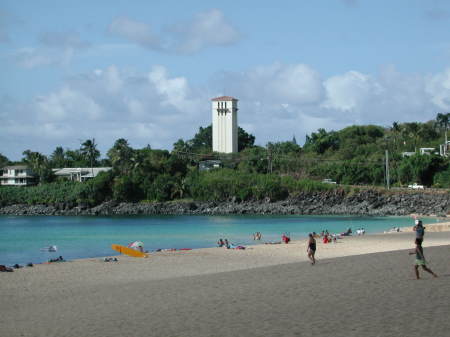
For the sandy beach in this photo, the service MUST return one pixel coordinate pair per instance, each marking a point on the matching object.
(361, 286)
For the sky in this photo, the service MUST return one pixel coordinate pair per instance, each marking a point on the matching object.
(147, 70)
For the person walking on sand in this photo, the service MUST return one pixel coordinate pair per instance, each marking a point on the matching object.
(420, 260)
(311, 249)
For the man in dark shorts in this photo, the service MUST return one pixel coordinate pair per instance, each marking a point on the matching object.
(420, 260)
(311, 249)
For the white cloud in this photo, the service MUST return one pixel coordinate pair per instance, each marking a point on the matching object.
(350, 91)
(172, 90)
(145, 108)
(54, 48)
(155, 107)
(280, 83)
(113, 80)
(206, 29)
(135, 31)
(438, 87)
(8, 21)
(67, 104)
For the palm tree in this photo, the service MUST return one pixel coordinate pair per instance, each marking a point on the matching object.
(89, 152)
(38, 164)
(412, 130)
(443, 120)
(58, 157)
(396, 130)
(121, 155)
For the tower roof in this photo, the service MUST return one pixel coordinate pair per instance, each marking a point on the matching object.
(224, 98)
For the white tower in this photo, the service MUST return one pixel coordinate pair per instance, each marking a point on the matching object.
(224, 124)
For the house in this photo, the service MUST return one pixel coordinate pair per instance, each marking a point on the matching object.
(408, 154)
(426, 150)
(444, 149)
(79, 173)
(207, 165)
(18, 175)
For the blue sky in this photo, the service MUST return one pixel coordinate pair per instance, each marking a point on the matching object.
(146, 70)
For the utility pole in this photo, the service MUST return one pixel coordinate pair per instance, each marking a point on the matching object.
(388, 183)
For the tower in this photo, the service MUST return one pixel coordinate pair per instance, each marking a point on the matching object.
(224, 124)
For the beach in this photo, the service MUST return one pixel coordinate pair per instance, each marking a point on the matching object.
(360, 286)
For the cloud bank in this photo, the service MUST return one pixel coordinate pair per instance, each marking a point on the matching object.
(207, 29)
(53, 49)
(157, 108)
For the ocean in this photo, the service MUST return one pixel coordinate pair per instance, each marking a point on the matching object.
(23, 237)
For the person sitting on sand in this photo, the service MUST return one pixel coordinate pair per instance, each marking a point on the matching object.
(227, 244)
(311, 249)
(59, 259)
(348, 232)
(285, 238)
(420, 260)
(220, 243)
(420, 230)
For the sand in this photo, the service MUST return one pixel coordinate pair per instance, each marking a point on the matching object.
(361, 286)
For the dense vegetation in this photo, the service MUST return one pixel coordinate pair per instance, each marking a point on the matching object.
(352, 156)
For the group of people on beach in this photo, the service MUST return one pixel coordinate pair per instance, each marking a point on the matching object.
(225, 243)
(311, 248)
(420, 258)
(257, 236)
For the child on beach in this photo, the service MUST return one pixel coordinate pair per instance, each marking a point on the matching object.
(420, 259)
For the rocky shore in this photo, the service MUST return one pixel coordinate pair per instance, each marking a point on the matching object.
(368, 202)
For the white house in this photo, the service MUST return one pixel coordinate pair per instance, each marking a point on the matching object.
(224, 124)
(79, 173)
(18, 175)
(426, 150)
(444, 149)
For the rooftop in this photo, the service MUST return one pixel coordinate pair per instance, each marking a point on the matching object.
(224, 98)
(15, 167)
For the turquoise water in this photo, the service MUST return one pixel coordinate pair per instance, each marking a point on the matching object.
(22, 237)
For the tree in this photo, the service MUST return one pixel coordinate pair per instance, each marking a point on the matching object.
(245, 140)
(121, 156)
(89, 151)
(254, 160)
(75, 159)
(39, 164)
(321, 141)
(202, 141)
(58, 158)
(412, 131)
(420, 169)
(180, 146)
(443, 120)
(3, 161)
(396, 130)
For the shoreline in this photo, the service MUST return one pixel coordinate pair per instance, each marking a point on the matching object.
(269, 254)
(430, 228)
(335, 202)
